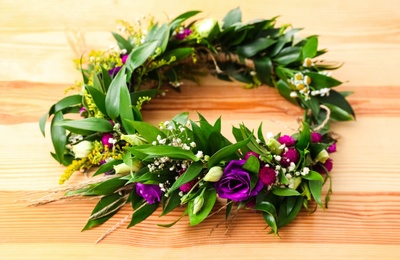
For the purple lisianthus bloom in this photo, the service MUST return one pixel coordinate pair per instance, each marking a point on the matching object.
(316, 137)
(235, 183)
(182, 34)
(107, 139)
(267, 175)
(286, 140)
(114, 71)
(291, 155)
(331, 148)
(150, 192)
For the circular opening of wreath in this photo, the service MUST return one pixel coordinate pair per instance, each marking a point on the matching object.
(185, 163)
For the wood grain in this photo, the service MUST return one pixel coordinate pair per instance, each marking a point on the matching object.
(38, 40)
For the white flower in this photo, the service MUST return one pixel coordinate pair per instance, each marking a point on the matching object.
(123, 168)
(214, 174)
(82, 149)
(198, 204)
(205, 27)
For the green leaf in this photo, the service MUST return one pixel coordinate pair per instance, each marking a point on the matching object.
(73, 100)
(147, 131)
(285, 192)
(42, 123)
(252, 165)
(316, 190)
(313, 176)
(170, 151)
(114, 93)
(126, 112)
(339, 114)
(108, 166)
(105, 188)
(304, 138)
(310, 48)
(319, 81)
(122, 42)
(284, 91)
(335, 98)
(264, 69)
(161, 35)
(140, 54)
(269, 214)
(106, 78)
(232, 17)
(288, 213)
(210, 196)
(173, 201)
(88, 124)
(105, 209)
(260, 134)
(312, 104)
(225, 152)
(175, 23)
(288, 55)
(252, 48)
(143, 212)
(99, 98)
(96, 82)
(178, 53)
(58, 136)
(191, 173)
(181, 118)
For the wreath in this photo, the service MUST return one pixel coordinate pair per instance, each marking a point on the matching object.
(186, 163)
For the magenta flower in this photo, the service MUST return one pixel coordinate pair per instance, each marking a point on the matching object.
(107, 140)
(328, 166)
(183, 34)
(150, 192)
(316, 137)
(123, 58)
(248, 154)
(235, 183)
(185, 188)
(291, 155)
(82, 111)
(267, 175)
(331, 148)
(286, 140)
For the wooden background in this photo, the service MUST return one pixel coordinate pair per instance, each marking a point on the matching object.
(38, 40)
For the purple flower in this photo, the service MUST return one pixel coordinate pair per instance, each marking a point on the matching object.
(235, 183)
(316, 137)
(182, 34)
(150, 192)
(107, 139)
(291, 155)
(328, 166)
(286, 140)
(114, 71)
(267, 175)
(331, 148)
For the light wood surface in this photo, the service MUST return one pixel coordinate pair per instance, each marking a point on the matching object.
(363, 218)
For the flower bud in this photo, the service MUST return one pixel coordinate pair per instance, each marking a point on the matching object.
(123, 168)
(198, 204)
(132, 139)
(274, 146)
(214, 174)
(322, 156)
(82, 149)
(205, 27)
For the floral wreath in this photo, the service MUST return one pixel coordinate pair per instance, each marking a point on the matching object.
(183, 163)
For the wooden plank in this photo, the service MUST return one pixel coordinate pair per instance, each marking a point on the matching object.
(33, 39)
